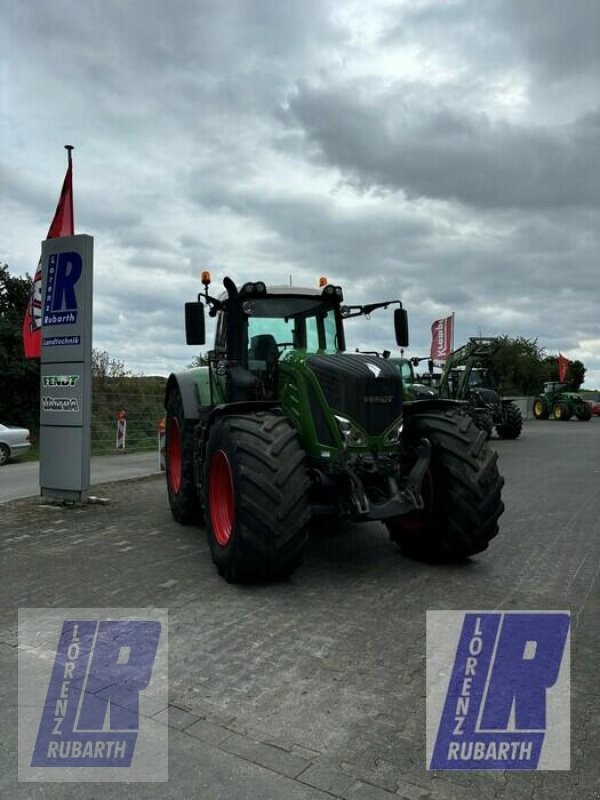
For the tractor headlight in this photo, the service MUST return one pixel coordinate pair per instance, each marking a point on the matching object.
(392, 436)
(248, 288)
(351, 435)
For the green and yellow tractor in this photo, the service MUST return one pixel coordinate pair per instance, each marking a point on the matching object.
(284, 425)
(561, 403)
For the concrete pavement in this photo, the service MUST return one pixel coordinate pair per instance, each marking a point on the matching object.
(21, 478)
(314, 687)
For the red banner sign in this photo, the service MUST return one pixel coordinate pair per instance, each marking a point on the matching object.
(563, 366)
(441, 338)
(61, 225)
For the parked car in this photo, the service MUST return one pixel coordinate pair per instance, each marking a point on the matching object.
(14, 441)
(593, 402)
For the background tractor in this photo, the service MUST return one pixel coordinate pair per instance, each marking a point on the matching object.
(283, 425)
(561, 403)
(468, 375)
(414, 389)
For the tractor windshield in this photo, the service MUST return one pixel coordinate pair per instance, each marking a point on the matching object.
(294, 322)
(405, 368)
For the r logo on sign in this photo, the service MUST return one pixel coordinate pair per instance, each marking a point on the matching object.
(505, 673)
(60, 304)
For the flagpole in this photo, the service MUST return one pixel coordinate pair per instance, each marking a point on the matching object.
(69, 148)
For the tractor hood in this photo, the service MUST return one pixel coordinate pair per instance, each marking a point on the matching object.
(487, 397)
(365, 388)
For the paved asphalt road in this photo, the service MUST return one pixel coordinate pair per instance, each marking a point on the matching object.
(314, 687)
(21, 478)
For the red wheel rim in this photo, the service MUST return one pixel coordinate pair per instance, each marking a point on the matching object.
(220, 495)
(174, 456)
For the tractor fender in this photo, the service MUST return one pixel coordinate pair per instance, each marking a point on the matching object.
(244, 407)
(411, 407)
(186, 384)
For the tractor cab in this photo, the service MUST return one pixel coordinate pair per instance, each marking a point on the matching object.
(259, 328)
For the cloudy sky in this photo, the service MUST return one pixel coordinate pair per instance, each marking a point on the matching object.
(444, 153)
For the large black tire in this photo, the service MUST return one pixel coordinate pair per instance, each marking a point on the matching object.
(462, 491)
(540, 408)
(256, 497)
(4, 455)
(484, 422)
(184, 500)
(561, 412)
(512, 422)
(584, 414)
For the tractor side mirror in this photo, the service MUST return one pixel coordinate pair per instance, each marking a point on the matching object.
(401, 327)
(194, 323)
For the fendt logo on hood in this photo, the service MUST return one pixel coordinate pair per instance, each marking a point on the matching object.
(378, 398)
(374, 369)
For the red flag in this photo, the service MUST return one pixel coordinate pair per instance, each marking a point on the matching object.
(441, 338)
(62, 225)
(563, 365)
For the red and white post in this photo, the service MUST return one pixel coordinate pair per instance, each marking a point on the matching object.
(121, 431)
(162, 445)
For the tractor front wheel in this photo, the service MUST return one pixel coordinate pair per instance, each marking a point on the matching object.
(256, 497)
(540, 408)
(560, 411)
(512, 422)
(462, 491)
(184, 499)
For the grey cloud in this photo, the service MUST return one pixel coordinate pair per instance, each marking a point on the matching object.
(557, 41)
(425, 149)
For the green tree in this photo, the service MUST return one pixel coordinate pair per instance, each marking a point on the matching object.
(19, 377)
(517, 365)
(107, 370)
(201, 360)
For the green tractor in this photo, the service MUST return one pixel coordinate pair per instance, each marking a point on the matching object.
(561, 403)
(283, 425)
(468, 377)
(413, 389)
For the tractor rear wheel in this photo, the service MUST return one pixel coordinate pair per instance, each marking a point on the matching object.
(184, 499)
(560, 411)
(584, 414)
(462, 491)
(540, 408)
(512, 422)
(256, 497)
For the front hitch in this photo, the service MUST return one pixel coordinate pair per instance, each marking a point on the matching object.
(401, 501)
